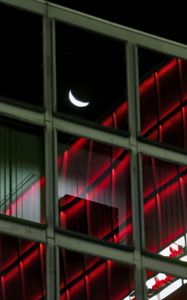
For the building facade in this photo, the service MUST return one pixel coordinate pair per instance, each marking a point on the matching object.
(93, 161)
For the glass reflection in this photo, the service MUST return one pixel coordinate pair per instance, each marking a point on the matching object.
(163, 98)
(91, 78)
(165, 207)
(88, 277)
(22, 269)
(94, 189)
(22, 178)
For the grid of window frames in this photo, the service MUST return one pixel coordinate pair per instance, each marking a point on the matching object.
(93, 164)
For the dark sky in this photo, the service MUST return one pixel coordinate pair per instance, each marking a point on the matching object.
(152, 17)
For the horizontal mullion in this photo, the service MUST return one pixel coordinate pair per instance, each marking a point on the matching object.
(92, 133)
(35, 6)
(23, 229)
(22, 114)
(116, 31)
(105, 27)
(163, 266)
(162, 153)
(89, 247)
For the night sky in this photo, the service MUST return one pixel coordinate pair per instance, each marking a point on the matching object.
(168, 22)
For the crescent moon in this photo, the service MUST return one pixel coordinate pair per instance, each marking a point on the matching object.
(76, 102)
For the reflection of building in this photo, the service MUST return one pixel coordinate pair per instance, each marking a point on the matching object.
(91, 199)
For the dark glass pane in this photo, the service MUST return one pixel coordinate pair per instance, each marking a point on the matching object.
(94, 189)
(21, 172)
(164, 286)
(22, 269)
(102, 279)
(163, 98)
(91, 69)
(21, 75)
(165, 207)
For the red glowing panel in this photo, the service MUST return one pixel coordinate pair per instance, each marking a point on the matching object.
(164, 203)
(162, 103)
(148, 100)
(172, 131)
(120, 116)
(151, 228)
(34, 289)
(120, 275)
(109, 121)
(171, 220)
(79, 215)
(73, 265)
(183, 78)
(100, 161)
(167, 68)
(12, 283)
(98, 282)
(163, 173)
(22, 275)
(93, 278)
(157, 174)
(169, 89)
(148, 179)
(73, 216)
(184, 124)
(78, 291)
(154, 135)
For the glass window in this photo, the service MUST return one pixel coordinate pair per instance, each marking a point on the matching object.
(163, 98)
(88, 277)
(22, 269)
(164, 286)
(94, 189)
(21, 172)
(91, 77)
(21, 74)
(165, 207)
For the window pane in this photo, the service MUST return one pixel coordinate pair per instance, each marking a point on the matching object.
(165, 207)
(163, 98)
(164, 286)
(91, 69)
(21, 75)
(88, 277)
(94, 189)
(21, 172)
(22, 269)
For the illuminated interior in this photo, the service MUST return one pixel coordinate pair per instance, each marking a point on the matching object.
(21, 173)
(22, 269)
(88, 277)
(163, 118)
(94, 190)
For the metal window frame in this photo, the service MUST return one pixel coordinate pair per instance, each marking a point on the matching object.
(51, 123)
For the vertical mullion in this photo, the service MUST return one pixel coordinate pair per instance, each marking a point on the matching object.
(133, 88)
(140, 174)
(57, 253)
(134, 128)
(55, 136)
(54, 82)
(49, 156)
(56, 206)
